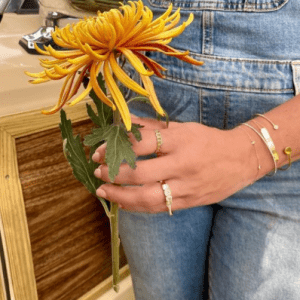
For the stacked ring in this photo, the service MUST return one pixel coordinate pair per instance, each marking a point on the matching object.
(158, 142)
(165, 186)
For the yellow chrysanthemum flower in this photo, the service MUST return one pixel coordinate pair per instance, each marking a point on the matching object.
(96, 42)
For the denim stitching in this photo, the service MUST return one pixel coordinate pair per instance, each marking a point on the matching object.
(210, 258)
(241, 7)
(207, 46)
(211, 50)
(226, 107)
(296, 78)
(228, 88)
(200, 106)
(200, 56)
(257, 61)
(203, 32)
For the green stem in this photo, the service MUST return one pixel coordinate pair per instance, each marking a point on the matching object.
(115, 244)
(114, 227)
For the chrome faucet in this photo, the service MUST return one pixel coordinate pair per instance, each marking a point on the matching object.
(3, 5)
(43, 35)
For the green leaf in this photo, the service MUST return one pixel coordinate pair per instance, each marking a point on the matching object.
(119, 147)
(95, 137)
(118, 150)
(83, 169)
(136, 132)
(140, 99)
(105, 113)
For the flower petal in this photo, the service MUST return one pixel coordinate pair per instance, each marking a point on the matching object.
(136, 63)
(153, 98)
(84, 94)
(117, 96)
(39, 80)
(163, 16)
(124, 78)
(98, 91)
(62, 99)
(39, 50)
(151, 64)
(63, 54)
(54, 76)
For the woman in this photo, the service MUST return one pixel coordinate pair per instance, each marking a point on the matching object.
(215, 166)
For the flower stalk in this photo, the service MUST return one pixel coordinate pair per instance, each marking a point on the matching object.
(115, 245)
(114, 227)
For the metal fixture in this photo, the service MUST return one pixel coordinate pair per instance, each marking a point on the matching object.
(3, 5)
(43, 35)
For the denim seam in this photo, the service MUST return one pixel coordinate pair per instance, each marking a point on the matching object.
(210, 258)
(207, 45)
(203, 32)
(258, 61)
(200, 106)
(224, 87)
(240, 60)
(226, 107)
(248, 7)
(296, 78)
(296, 82)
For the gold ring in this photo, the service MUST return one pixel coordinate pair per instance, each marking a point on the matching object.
(168, 195)
(158, 142)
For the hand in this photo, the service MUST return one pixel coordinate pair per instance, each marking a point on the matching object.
(202, 165)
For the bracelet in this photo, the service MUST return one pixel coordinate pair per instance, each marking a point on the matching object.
(263, 116)
(288, 152)
(262, 137)
(268, 139)
(253, 143)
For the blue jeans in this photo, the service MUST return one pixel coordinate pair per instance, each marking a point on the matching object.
(251, 240)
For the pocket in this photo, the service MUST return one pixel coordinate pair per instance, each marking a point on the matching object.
(222, 5)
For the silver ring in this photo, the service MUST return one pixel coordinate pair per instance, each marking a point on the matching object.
(168, 195)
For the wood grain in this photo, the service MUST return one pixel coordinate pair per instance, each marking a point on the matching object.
(16, 235)
(69, 231)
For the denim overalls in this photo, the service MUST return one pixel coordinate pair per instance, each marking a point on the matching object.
(251, 240)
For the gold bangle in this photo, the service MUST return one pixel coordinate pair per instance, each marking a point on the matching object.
(263, 116)
(288, 152)
(268, 139)
(275, 169)
(253, 143)
(269, 142)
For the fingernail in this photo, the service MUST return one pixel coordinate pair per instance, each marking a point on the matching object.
(97, 172)
(96, 157)
(101, 193)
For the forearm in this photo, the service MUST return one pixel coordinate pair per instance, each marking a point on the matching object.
(287, 117)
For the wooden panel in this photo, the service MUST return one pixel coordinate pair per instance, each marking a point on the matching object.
(69, 231)
(16, 242)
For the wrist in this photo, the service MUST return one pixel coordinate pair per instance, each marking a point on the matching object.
(271, 145)
(248, 147)
(256, 154)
